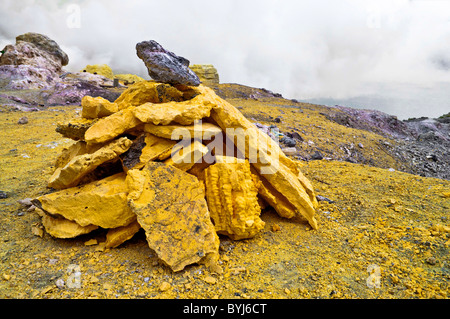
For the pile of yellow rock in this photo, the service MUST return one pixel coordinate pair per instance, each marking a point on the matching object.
(177, 161)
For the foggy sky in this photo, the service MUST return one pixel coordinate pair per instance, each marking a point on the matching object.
(389, 55)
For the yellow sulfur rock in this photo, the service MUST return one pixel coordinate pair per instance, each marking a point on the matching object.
(102, 203)
(95, 107)
(75, 128)
(184, 113)
(148, 91)
(101, 69)
(64, 228)
(232, 200)
(147, 147)
(185, 157)
(128, 78)
(117, 236)
(170, 205)
(108, 128)
(79, 166)
(178, 132)
(207, 73)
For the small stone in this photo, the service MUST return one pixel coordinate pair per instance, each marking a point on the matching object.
(275, 227)
(60, 283)
(165, 286)
(210, 280)
(6, 277)
(91, 242)
(25, 202)
(431, 261)
(23, 120)
(3, 195)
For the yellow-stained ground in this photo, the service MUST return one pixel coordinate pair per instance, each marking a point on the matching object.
(385, 236)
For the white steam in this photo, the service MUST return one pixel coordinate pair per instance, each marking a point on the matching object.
(303, 49)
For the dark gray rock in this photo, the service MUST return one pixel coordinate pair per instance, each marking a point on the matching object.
(165, 66)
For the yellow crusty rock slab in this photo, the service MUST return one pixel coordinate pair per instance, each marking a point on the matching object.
(202, 130)
(75, 128)
(146, 147)
(170, 206)
(108, 128)
(64, 228)
(119, 235)
(102, 203)
(184, 112)
(148, 91)
(79, 166)
(233, 199)
(95, 107)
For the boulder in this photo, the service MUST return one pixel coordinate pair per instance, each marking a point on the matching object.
(46, 44)
(164, 66)
(170, 206)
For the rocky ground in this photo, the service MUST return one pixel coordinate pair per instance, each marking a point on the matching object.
(384, 232)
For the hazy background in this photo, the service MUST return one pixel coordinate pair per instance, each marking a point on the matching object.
(388, 55)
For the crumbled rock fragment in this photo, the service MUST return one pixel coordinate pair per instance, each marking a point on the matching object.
(119, 235)
(102, 203)
(64, 228)
(170, 205)
(232, 200)
(75, 128)
(79, 166)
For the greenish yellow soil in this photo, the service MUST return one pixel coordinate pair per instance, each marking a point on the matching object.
(383, 224)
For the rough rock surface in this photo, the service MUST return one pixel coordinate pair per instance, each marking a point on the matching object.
(165, 66)
(45, 43)
(232, 198)
(170, 205)
(198, 130)
(102, 203)
(64, 228)
(73, 172)
(119, 235)
(95, 107)
(207, 73)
